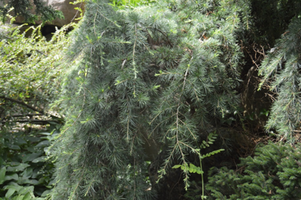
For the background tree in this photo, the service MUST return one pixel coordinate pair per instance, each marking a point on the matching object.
(30, 10)
(282, 68)
(273, 173)
(269, 20)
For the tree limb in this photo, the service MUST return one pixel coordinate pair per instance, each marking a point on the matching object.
(36, 121)
(26, 105)
(22, 103)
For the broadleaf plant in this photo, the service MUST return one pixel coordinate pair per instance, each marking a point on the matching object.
(191, 168)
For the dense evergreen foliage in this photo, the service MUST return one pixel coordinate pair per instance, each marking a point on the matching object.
(145, 80)
(273, 173)
(282, 67)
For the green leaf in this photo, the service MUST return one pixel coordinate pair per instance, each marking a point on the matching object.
(14, 147)
(19, 167)
(191, 168)
(28, 196)
(212, 153)
(10, 192)
(12, 177)
(195, 169)
(2, 174)
(30, 181)
(43, 143)
(26, 190)
(31, 157)
(28, 172)
(12, 188)
(20, 141)
(176, 166)
(40, 159)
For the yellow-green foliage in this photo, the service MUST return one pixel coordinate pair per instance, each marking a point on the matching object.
(29, 82)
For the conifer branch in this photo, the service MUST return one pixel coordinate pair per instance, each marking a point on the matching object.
(134, 63)
(108, 19)
(195, 138)
(163, 33)
(77, 185)
(160, 123)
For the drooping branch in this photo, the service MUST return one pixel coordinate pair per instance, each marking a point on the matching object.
(27, 118)
(27, 106)
(23, 104)
(36, 121)
(25, 115)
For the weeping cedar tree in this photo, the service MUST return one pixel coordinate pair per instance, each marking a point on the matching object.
(143, 81)
(282, 69)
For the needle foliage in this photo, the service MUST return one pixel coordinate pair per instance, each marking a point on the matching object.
(282, 69)
(144, 81)
(273, 173)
